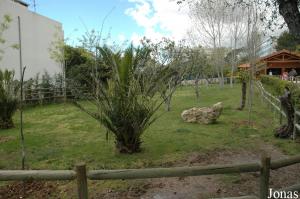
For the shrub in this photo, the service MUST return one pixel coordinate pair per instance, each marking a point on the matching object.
(276, 87)
(8, 99)
(47, 88)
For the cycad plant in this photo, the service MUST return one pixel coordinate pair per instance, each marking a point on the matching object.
(8, 99)
(126, 103)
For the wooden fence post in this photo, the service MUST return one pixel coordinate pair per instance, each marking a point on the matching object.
(264, 176)
(81, 181)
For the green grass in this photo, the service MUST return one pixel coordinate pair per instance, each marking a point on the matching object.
(58, 136)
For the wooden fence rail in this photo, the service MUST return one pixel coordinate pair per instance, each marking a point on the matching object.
(82, 175)
(171, 172)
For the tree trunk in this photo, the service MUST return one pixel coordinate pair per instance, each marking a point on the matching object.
(221, 80)
(286, 130)
(168, 102)
(288, 9)
(130, 146)
(244, 93)
(197, 87)
(231, 76)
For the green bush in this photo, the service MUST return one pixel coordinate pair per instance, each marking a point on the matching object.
(8, 99)
(276, 87)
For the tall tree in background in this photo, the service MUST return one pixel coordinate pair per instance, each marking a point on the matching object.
(237, 29)
(287, 41)
(253, 46)
(288, 9)
(210, 19)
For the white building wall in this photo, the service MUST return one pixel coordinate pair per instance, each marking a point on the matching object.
(37, 32)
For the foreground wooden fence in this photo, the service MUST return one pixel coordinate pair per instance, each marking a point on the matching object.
(82, 175)
(275, 105)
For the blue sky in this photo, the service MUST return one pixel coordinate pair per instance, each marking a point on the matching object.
(76, 16)
(129, 19)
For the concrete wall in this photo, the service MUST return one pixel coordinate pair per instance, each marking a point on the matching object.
(38, 32)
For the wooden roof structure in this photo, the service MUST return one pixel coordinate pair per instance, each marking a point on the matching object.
(281, 61)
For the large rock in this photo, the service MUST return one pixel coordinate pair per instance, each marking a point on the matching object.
(204, 115)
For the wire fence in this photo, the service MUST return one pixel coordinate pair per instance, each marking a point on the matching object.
(51, 90)
(275, 106)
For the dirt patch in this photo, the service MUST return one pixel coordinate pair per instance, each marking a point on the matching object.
(36, 190)
(4, 139)
(203, 187)
(199, 187)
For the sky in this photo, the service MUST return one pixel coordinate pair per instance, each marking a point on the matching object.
(126, 19)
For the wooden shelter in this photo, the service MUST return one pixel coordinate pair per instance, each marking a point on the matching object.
(276, 63)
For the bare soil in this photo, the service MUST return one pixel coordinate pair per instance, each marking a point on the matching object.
(214, 186)
(34, 190)
(6, 139)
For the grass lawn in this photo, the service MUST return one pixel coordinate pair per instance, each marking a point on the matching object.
(58, 136)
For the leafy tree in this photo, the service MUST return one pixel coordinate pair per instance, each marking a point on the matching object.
(287, 41)
(75, 56)
(8, 99)
(82, 67)
(126, 105)
(171, 57)
(198, 63)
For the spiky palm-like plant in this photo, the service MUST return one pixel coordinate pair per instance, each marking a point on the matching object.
(127, 103)
(8, 99)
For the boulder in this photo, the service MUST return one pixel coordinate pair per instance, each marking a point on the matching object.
(204, 115)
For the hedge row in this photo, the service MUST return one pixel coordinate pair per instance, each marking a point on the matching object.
(276, 86)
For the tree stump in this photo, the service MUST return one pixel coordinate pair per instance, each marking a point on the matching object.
(286, 130)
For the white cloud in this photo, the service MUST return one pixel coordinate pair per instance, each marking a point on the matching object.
(159, 18)
(121, 37)
(135, 38)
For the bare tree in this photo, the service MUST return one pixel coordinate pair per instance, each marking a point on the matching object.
(210, 18)
(237, 27)
(252, 46)
(288, 9)
(57, 53)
